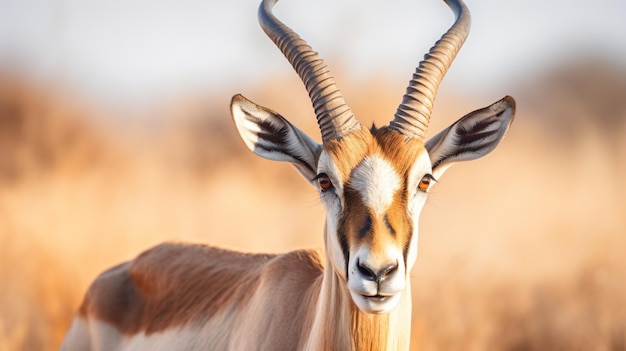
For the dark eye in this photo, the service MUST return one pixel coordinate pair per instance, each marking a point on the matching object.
(324, 181)
(425, 182)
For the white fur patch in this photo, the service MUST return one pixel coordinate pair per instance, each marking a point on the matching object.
(334, 205)
(77, 337)
(377, 182)
(417, 200)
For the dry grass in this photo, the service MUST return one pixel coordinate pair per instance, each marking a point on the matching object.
(522, 250)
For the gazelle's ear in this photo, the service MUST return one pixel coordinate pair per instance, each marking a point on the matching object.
(472, 136)
(271, 136)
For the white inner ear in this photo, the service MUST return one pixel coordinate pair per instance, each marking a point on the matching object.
(271, 136)
(473, 136)
(377, 182)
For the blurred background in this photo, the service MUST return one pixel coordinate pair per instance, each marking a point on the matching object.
(115, 135)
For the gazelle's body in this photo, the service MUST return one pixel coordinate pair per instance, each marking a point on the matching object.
(157, 304)
(373, 183)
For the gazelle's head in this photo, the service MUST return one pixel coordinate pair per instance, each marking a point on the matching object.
(373, 183)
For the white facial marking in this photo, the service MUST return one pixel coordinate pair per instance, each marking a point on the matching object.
(327, 165)
(334, 203)
(377, 182)
(416, 203)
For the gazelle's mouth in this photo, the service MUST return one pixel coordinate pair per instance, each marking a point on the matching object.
(376, 304)
(378, 299)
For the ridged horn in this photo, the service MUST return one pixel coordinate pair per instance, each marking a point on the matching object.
(334, 117)
(413, 114)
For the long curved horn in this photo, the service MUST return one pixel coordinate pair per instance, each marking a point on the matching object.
(334, 117)
(413, 114)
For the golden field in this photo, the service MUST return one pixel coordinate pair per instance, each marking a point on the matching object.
(521, 250)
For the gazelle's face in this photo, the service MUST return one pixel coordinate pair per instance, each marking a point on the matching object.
(373, 187)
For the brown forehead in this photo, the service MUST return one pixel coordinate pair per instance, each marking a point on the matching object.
(348, 152)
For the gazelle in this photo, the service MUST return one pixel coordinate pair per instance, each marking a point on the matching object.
(373, 183)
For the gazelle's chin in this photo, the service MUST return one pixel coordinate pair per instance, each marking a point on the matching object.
(376, 304)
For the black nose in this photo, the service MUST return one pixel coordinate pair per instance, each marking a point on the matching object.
(376, 275)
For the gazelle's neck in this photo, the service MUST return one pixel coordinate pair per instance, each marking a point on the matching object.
(339, 325)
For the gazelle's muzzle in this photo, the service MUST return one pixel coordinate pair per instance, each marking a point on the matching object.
(376, 280)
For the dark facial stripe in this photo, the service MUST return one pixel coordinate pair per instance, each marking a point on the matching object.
(366, 228)
(407, 245)
(343, 241)
(343, 229)
(389, 226)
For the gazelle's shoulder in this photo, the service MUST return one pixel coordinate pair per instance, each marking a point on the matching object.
(171, 284)
(304, 264)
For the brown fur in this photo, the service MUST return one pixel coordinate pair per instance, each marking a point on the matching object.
(349, 151)
(175, 284)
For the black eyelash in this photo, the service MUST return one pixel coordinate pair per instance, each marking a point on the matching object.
(431, 177)
(319, 176)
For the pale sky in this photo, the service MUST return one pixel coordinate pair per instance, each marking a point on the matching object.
(132, 50)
